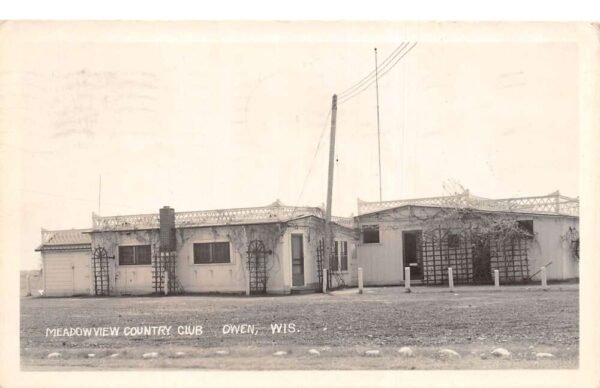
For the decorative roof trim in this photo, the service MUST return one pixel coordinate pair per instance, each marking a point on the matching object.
(551, 204)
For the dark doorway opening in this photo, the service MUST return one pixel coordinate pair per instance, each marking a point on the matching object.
(482, 270)
(297, 260)
(411, 253)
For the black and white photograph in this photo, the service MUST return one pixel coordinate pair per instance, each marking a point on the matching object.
(296, 196)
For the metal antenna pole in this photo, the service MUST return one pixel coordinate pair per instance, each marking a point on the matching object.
(378, 132)
(99, 192)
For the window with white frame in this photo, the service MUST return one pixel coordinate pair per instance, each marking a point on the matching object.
(134, 255)
(339, 261)
(211, 253)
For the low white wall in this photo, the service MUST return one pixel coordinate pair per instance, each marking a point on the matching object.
(549, 246)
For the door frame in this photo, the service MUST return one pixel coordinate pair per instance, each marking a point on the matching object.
(301, 234)
(415, 232)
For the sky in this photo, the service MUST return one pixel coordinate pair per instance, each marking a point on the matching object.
(217, 117)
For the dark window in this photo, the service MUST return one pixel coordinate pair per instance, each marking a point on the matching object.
(344, 256)
(453, 241)
(333, 260)
(526, 226)
(209, 253)
(370, 234)
(134, 255)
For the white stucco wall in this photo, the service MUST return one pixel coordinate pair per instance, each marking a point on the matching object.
(550, 247)
(382, 262)
(218, 277)
(127, 279)
(66, 273)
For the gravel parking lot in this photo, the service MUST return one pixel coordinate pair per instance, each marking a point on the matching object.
(340, 330)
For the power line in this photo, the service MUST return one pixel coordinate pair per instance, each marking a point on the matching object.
(312, 163)
(347, 98)
(374, 73)
(378, 131)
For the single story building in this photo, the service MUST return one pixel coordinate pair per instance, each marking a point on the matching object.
(472, 235)
(274, 249)
(66, 265)
(280, 249)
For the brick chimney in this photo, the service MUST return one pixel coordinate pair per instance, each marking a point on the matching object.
(167, 228)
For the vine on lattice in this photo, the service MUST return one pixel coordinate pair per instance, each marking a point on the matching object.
(457, 236)
(571, 237)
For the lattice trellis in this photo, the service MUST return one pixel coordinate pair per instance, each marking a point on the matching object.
(507, 255)
(257, 267)
(438, 255)
(320, 256)
(163, 262)
(101, 271)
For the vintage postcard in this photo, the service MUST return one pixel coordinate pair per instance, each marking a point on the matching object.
(361, 202)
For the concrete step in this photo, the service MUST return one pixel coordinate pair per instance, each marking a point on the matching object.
(303, 290)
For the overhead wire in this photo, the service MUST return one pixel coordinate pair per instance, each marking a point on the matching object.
(382, 74)
(374, 72)
(353, 91)
(312, 163)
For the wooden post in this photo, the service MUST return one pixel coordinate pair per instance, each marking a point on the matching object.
(450, 279)
(324, 280)
(28, 279)
(407, 279)
(166, 283)
(360, 280)
(496, 278)
(328, 232)
(544, 279)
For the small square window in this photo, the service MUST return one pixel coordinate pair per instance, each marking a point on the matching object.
(453, 241)
(370, 234)
(526, 226)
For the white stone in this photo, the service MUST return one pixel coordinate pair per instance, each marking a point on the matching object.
(448, 353)
(114, 355)
(544, 355)
(54, 355)
(314, 352)
(91, 355)
(280, 353)
(405, 351)
(179, 354)
(500, 352)
(222, 352)
(531, 346)
(372, 352)
(150, 355)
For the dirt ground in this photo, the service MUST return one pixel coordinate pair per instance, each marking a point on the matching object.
(341, 326)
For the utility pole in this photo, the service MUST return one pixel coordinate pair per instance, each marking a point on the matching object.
(328, 232)
(378, 134)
